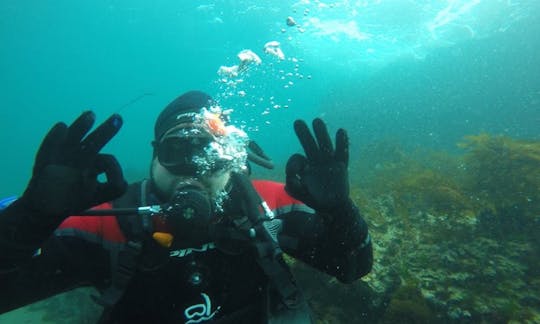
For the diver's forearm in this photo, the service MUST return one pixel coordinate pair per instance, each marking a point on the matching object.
(22, 231)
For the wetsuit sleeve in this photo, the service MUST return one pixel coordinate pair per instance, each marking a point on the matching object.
(61, 264)
(22, 231)
(36, 262)
(336, 243)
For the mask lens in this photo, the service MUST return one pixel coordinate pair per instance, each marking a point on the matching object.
(176, 153)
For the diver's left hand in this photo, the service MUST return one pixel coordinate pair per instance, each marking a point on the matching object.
(320, 178)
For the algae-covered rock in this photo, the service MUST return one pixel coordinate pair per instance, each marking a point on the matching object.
(408, 306)
(504, 174)
(462, 228)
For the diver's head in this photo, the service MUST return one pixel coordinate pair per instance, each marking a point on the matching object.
(189, 102)
(194, 142)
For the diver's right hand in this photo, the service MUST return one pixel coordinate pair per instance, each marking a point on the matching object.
(65, 175)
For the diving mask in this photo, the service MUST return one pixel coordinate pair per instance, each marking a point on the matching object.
(202, 143)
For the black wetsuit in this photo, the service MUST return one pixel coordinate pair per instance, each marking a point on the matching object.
(190, 285)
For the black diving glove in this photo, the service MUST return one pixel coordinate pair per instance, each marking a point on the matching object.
(64, 182)
(65, 175)
(320, 178)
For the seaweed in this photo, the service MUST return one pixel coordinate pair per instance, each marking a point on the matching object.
(504, 178)
(408, 306)
(431, 191)
(462, 227)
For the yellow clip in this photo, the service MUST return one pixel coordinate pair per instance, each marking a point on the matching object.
(163, 239)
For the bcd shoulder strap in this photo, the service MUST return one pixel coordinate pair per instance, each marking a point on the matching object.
(270, 259)
(125, 259)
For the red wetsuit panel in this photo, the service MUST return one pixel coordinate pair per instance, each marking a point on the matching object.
(105, 227)
(274, 194)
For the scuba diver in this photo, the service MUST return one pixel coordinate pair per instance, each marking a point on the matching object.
(198, 241)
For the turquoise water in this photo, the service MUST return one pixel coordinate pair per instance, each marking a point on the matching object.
(426, 73)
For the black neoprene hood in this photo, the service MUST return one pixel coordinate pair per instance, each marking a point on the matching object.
(191, 101)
